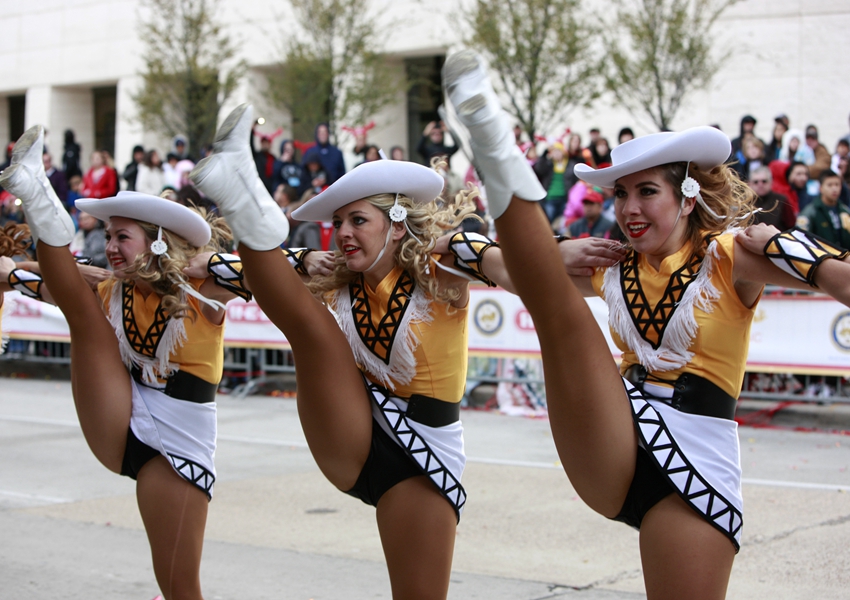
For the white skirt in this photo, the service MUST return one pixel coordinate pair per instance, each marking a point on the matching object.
(438, 451)
(699, 455)
(183, 432)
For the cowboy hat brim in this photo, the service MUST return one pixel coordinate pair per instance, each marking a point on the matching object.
(169, 215)
(418, 183)
(706, 147)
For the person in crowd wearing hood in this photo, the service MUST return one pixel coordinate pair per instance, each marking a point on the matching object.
(795, 149)
(71, 156)
(131, 171)
(329, 156)
(287, 171)
(774, 149)
(626, 134)
(653, 443)
(797, 176)
(748, 125)
(825, 216)
(775, 208)
(433, 142)
(821, 154)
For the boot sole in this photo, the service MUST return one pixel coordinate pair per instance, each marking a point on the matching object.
(7, 175)
(25, 144)
(230, 122)
(459, 64)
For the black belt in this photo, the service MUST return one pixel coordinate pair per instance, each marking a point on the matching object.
(183, 386)
(431, 411)
(692, 394)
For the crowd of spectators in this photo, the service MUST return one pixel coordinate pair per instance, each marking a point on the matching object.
(797, 179)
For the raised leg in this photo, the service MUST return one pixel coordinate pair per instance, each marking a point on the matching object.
(100, 381)
(682, 555)
(588, 407)
(418, 529)
(333, 405)
(174, 513)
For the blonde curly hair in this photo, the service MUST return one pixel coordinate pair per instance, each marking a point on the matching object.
(14, 240)
(427, 221)
(723, 192)
(164, 273)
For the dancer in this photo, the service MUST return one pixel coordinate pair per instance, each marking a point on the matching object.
(657, 449)
(14, 241)
(379, 390)
(146, 352)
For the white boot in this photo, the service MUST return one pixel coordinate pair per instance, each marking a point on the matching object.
(25, 179)
(229, 177)
(502, 165)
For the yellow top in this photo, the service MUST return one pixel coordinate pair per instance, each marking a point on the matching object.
(441, 356)
(721, 342)
(202, 353)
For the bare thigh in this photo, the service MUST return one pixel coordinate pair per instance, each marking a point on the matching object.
(417, 527)
(174, 513)
(100, 381)
(588, 408)
(682, 555)
(333, 404)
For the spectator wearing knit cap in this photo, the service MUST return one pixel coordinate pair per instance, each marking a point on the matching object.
(593, 223)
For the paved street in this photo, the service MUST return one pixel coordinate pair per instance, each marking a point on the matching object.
(278, 530)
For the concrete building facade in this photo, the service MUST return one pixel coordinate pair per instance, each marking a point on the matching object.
(74, 64)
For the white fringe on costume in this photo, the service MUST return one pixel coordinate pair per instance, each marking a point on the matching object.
(673, 351)
(402, 364)
(173, 337)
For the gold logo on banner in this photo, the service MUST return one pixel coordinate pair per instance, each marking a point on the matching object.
(488, 317)
(841, 331)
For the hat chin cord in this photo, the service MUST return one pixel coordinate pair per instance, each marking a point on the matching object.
(397, 214)
(159, 249)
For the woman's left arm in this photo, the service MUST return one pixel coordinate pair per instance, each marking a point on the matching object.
(753, 268)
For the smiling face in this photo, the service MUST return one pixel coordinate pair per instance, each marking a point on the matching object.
(647, 211)
(361, 231)
(125, 240)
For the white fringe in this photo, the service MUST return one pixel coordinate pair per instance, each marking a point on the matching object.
(402, 365)
(173, 337)
(673, 351)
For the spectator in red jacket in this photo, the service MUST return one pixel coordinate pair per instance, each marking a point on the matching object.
(100, 180)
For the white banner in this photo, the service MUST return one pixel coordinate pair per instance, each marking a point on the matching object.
(795, 334)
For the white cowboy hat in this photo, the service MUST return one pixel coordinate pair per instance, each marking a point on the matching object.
(418, 183)
(706, 147)
(169, 215)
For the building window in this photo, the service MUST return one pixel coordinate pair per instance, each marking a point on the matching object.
(17, 116)
(105, 100)
(423, 98)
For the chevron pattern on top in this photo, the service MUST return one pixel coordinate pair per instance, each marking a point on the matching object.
(379, 340)
(692, 487)
(417, 448)
(649, 321)
(146, 344)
